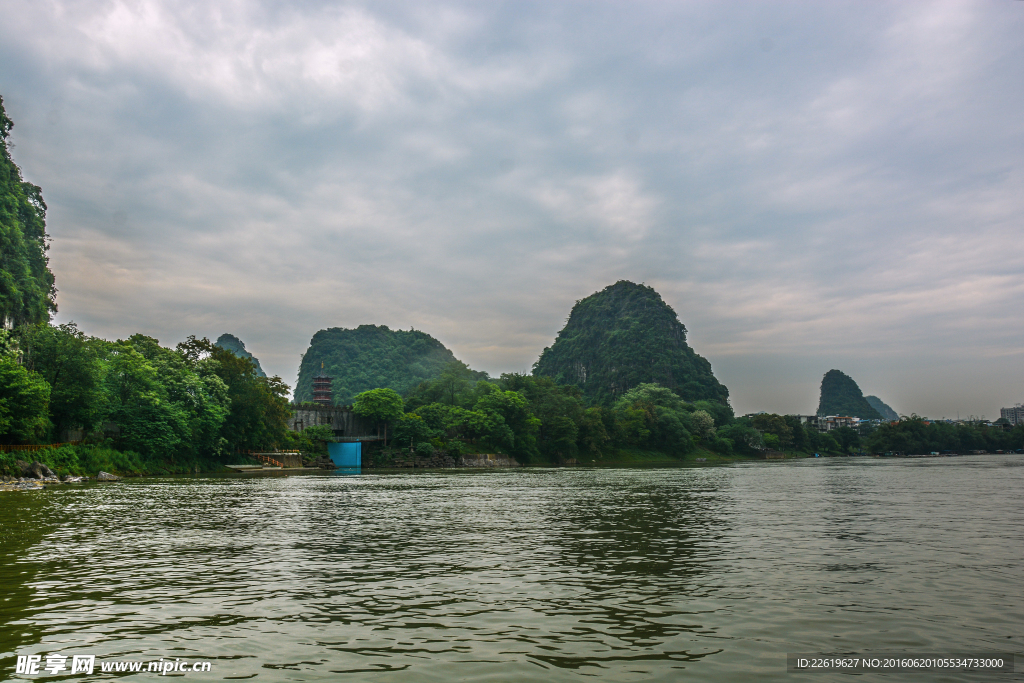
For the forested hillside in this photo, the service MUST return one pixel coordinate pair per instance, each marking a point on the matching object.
(840, 395)
(235, 346)
(371, 357)
(26, 284)
(621, 337)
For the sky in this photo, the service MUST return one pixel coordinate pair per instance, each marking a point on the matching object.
(810, 185)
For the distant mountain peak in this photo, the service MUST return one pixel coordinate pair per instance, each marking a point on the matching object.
(840, 395)
(370, 357)
(621, 337)
(233, 344)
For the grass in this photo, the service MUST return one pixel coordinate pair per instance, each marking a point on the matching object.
(90, 459)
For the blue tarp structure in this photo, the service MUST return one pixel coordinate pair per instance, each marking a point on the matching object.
(346, 454)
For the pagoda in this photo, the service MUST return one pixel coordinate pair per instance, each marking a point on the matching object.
(322, 391)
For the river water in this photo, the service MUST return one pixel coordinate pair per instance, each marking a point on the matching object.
(709, 574)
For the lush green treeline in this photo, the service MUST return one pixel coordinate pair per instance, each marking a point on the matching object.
(911, 435)
(161, 408)
(916, 435)
(537, 420)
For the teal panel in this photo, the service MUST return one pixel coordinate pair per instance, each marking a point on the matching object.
(346, 454)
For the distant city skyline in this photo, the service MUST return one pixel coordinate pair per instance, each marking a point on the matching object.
(809, 185)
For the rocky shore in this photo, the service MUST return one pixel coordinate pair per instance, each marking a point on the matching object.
(36, 476)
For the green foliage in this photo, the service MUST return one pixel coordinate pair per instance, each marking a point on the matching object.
(380, 405)
(70, 363)
(233, 344)
(840, 395)
(847, 438)
(24, 401)
(624, 336)
(740, 438)
(313, 439)
(411, 429)
(915, 435)
(775, 426)
(504, 420)
(26, 284)
(652, 416)
(703, 424)
(455, 386)
(139, 402)
(258, 415)
(371, 357)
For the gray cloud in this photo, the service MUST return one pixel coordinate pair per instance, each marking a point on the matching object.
(809, 185)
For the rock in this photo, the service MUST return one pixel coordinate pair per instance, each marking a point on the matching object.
(36, 470)
(323, 462)
(107, 476)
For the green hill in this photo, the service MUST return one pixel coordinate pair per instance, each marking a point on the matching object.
(26, 283)
(840, 395)
(370, 357)
(623, 336)
(233, 344)
(885, 411)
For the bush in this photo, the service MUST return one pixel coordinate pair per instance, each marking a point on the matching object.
(722, 445)
(425, 449)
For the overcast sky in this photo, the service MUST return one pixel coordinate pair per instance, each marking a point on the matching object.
(809, 185)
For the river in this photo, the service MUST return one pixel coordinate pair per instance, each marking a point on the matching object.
(709, 574)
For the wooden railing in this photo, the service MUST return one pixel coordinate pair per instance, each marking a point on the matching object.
(266, 458)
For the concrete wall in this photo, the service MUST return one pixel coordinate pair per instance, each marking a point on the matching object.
(340, 419)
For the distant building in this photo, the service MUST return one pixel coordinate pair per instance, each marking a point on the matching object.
(808, 421)
(1014, 415)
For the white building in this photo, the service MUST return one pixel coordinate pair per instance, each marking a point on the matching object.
(1014, 415)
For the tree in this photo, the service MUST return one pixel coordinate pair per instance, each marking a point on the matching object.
(509, 409)
(847, 438)
(413, 429)
(69, 362)
(149, 422)
(703, 424)
(653, 416)
(772, 424)
(24, 396)
(314, 439)
(257, 407)
(379, 405)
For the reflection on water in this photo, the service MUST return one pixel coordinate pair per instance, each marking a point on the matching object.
(528, 575)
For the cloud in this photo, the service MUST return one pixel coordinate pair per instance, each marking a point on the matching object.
(810, 186)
